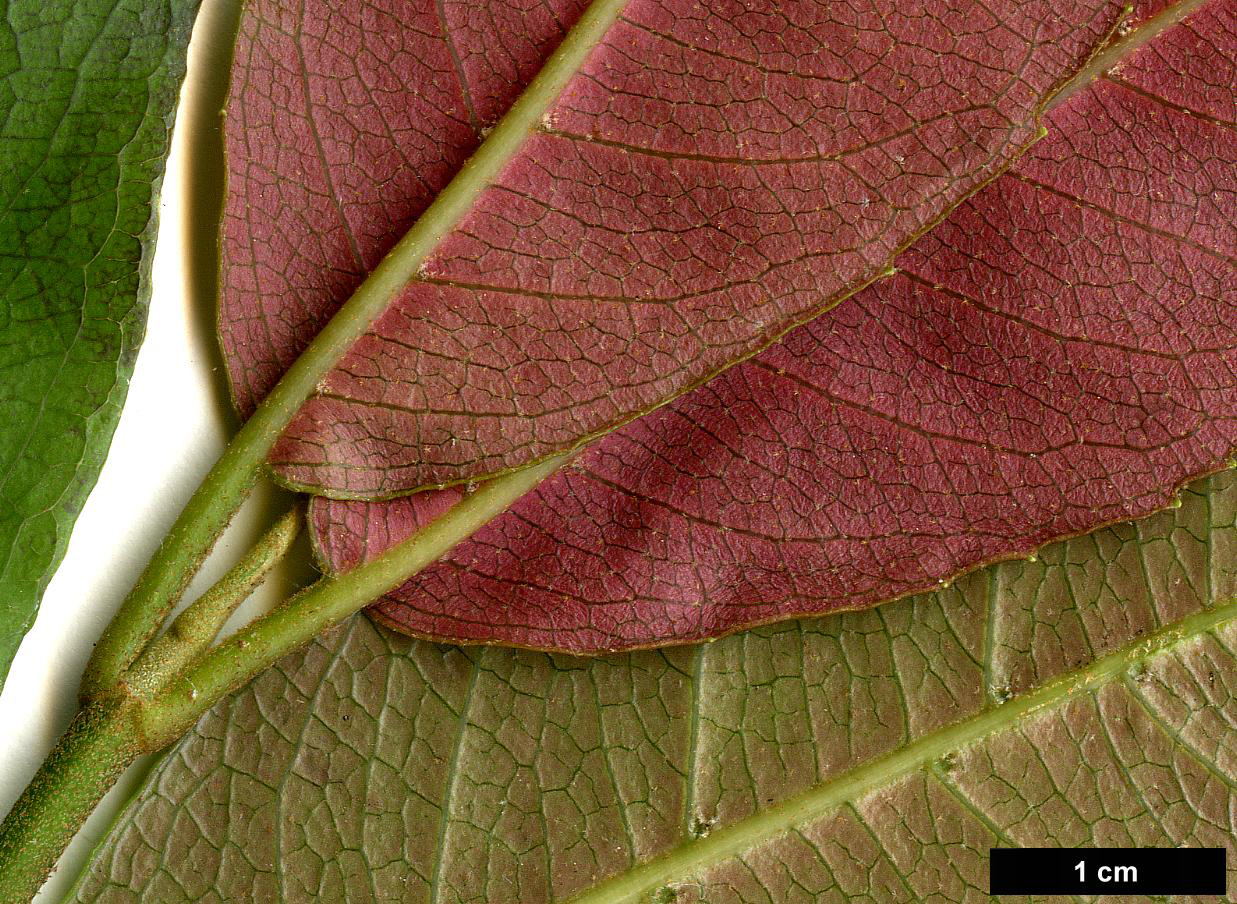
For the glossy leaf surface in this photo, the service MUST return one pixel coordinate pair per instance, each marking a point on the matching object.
(710, 176)
(87, 91)
(1059, 354)
(1086, 698)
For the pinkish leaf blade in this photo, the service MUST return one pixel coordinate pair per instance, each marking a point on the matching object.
(1061, 353)
(709, 178)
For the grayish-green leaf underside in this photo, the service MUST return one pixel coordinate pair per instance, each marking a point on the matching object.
(87, 91)
(1086, 698)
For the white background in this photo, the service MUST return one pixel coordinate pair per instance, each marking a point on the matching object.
(174, 425)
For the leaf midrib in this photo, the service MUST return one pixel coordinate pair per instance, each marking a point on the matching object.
(693, 855)
(404, 263)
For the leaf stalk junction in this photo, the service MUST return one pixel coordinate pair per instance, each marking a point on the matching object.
(142, 690)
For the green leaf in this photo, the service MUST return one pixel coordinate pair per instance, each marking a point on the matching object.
(87, 91)
(1085, 698)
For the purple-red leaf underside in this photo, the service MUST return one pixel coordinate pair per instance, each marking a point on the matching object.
(714, 174)
(1060, 353)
